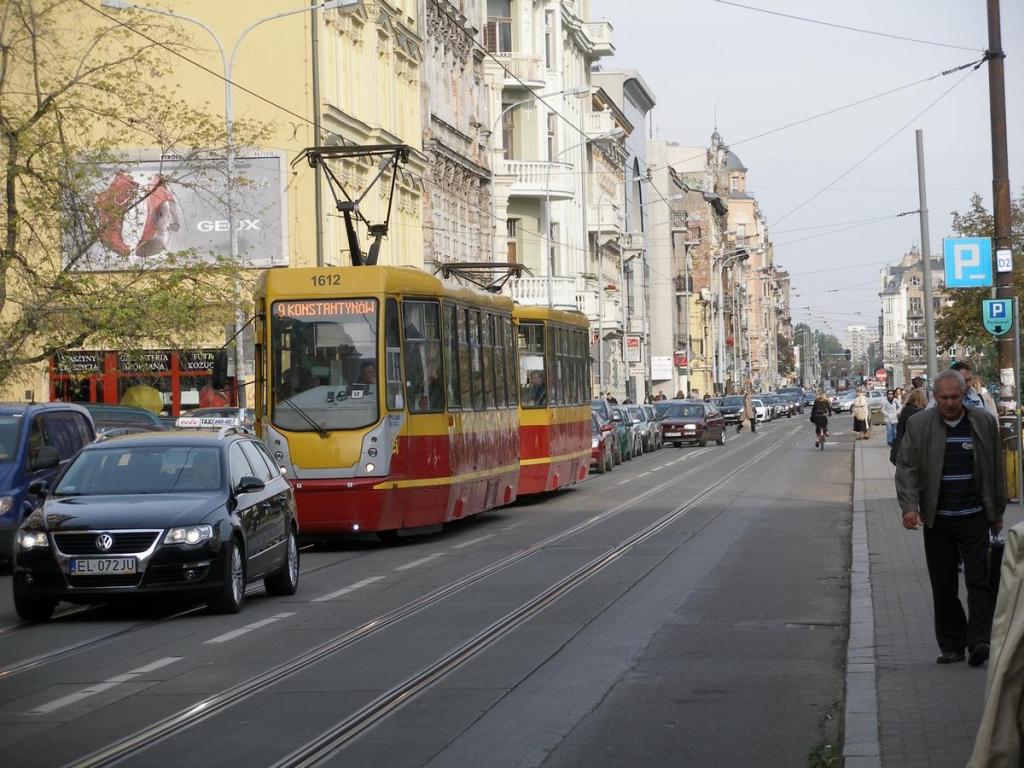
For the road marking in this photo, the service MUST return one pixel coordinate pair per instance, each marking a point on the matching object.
(346, 590)
(510, 527)
(421, 561)
(106, 685)
(247, 628)
(471, 542)
(644, 474)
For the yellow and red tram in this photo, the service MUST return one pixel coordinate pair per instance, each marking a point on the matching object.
(554, 403)
(393, 399)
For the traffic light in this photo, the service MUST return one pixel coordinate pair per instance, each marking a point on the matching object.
(847, 353)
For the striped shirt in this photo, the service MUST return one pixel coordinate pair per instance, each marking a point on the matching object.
(958, 491)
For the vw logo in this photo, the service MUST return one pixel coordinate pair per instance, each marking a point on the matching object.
(104, 542)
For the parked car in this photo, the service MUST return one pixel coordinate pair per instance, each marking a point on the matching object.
(602, 449)
(654, 420)
(795, 401)
(159, 513)
(731, 408)
(603, 410)
(624, 431)
(636, 438)
(119, 418)
(776, 408)
(875, 399)
(845, 402)
(645, 427)
(37, 440)
(692, 422)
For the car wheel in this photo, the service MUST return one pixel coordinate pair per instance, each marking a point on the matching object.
(36, 609)
(286, 581)
(231, 595)
(602, 465)
(678, 444)
(609, 461)
(721, 438)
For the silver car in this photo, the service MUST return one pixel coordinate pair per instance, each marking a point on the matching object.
(644, 427)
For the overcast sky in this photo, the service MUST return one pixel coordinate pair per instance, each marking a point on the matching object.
(762, 71)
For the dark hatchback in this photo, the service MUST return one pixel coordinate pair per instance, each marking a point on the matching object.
(731, 408)
(193, 513)
(691, 422)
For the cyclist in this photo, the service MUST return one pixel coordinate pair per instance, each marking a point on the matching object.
(820, 412)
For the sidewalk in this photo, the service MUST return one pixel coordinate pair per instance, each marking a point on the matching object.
(926, 714)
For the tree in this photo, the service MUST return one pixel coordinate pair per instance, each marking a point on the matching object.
(787, 358)
(75, 90)
(959, 319)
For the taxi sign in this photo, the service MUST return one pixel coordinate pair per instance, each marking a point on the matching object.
(207, 422)
(997, 315)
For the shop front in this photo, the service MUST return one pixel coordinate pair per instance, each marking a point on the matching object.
(163, 381)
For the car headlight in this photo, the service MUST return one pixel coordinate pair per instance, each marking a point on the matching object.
(191, 534)
(595, 442)
(6, 503)
(33, 540)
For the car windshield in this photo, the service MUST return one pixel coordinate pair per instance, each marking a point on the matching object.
(142, 469)
(10, 427)
(637, 413)
(684, 411)
(325, 363)
(595, 425)
(732, 400)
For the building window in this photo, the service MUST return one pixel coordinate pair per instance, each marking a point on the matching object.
(915, 305)
(734, 183)
(508, 132)
(498, 35)
(553, 235)
(512, 239)
(552, 136)
(549, 39)
(741, 233)
(915, 281)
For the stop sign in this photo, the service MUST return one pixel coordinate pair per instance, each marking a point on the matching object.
(881, 374)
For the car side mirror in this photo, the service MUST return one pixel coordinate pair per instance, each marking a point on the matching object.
(250, 484)
(38, 488)
(47, 458)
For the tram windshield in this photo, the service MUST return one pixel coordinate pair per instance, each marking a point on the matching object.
(325, 368)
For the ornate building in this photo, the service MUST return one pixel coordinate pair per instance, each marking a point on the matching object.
(457, 197)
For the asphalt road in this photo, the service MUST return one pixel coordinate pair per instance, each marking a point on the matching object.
(688, 608)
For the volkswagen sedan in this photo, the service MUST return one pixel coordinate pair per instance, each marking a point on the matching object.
(202, 514)
(692, 422)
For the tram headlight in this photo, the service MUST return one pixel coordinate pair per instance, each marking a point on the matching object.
(279, 455)
(370, 467)
(372, 452)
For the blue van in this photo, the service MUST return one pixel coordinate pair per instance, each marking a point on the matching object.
(37, 440)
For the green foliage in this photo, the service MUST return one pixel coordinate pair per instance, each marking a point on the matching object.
(787, 358)
(75, 90)
(959, 320)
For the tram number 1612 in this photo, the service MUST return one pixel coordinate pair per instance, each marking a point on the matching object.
(322, 281)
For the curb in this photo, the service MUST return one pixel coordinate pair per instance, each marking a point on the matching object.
(861, 747)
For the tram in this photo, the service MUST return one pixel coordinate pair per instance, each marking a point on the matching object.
(389, 397)
(554, 403)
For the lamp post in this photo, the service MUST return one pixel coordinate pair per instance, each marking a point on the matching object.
(227, 66)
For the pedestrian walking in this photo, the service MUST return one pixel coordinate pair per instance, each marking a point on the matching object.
(987, 401)
(950, 477)
(748, 416)
(861, 412)
(891, 414)
(820, 412)
(915, 401)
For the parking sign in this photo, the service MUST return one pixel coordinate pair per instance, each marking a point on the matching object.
(968, 262)
(997, 315)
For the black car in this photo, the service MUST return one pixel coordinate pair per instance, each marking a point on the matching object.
(118, 419)
(164, 512)
(731, 407)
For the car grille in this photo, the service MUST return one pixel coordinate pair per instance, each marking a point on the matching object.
(125, 543)
(89, 582)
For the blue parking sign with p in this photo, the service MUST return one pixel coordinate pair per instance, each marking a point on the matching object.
(997, 316)
(968, 262)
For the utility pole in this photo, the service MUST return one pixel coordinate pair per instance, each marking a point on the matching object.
(318, 211)
(926, 262)
(1001, 209)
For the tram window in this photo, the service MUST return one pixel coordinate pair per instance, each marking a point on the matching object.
(532, 368)
(465, 380)
(577, 366)
(487, 347)
(423, 373)
(510, 361)
(451, 355)
(324, 364)
(499, 362)
(393, 357)
(551, 354)
(475, 358)
(582, 374)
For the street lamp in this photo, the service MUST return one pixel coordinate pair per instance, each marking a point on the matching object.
(227, 65)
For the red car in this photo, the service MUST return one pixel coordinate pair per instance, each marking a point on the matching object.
(601, 446)
(692, 422)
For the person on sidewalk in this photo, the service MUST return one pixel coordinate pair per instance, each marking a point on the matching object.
(747, 415)
(915, 401)
(891, 413)
(861, 413)
(950, 476)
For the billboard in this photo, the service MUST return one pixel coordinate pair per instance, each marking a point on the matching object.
(633, 354)
(142, 209)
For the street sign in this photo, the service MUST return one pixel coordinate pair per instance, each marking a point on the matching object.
(968, 262)
(997, 315)
(881, 374)
(1004, 260)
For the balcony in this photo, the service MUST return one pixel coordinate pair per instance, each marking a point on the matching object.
(604, 218)
(633, 242)
(522, 68)
(540, 178)
(600, 34)
(598, 124)
(587, 303)
(533, 291)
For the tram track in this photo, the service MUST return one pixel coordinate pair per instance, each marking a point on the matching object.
(216, 703)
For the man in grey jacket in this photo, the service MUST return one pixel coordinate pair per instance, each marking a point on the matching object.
(950, 476)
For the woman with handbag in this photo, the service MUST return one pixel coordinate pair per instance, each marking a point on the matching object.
(861, 414)
(820, 412)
